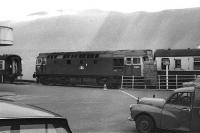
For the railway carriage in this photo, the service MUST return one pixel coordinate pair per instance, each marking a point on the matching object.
(91, 67)
(10, 68)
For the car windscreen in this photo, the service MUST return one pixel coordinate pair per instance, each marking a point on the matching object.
(34, 126)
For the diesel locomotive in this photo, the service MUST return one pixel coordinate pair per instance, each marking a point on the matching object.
(10, 68)
(96, 68)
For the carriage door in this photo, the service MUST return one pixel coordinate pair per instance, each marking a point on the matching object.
(14, 66)
(132, 66)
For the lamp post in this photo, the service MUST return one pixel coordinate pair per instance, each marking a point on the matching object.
(167, 77)
(167, 63)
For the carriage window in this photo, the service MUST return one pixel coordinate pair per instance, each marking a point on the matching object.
(177, 63)
(197, 63)
(2, 64)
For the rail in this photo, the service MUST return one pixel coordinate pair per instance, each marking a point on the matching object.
(174, 81)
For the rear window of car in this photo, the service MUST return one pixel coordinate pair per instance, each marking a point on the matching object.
(15, 126)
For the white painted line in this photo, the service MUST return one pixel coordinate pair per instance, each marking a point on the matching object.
(129, 94)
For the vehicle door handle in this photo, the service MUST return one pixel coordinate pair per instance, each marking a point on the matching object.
(186, 109)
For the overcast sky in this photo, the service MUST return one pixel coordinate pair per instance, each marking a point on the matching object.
(20, 9)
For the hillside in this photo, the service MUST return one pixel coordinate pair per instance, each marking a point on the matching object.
(96, 30)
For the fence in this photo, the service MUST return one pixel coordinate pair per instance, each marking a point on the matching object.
(173, 82)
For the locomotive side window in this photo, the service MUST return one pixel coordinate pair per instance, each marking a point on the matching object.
(118, 62)
(59, 57)
(2, 64)
(68, 62)
(95, 61)
(82, 62)
(197, 63)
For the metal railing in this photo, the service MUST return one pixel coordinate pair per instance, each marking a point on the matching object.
(174, 81)
(162, 82)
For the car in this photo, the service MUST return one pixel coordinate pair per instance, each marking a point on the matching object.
(20, 118)
(179, 112)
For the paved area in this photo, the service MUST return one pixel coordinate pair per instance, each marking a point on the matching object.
(88, 110)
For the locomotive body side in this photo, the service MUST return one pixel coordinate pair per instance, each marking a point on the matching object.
(89, 68)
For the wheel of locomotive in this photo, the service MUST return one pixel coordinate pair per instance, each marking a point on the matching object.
(144, 124)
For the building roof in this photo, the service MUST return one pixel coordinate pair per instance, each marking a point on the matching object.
(176, 52)
(14, 110)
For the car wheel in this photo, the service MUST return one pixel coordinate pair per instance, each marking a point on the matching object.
(144, 124)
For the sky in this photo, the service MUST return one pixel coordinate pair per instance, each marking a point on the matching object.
(19, 10)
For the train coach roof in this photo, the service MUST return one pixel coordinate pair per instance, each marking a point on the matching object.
(7, 56)
(176, 52)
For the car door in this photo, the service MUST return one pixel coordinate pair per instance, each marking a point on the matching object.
(196, 112)
(176, 113)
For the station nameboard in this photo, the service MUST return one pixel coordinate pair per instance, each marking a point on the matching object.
(6, 36)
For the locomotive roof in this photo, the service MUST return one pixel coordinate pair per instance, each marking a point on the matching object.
(104, 53)
(176, 52)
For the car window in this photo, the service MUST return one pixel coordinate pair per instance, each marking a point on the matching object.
(181, 98)
(32, 128)
(5, 129)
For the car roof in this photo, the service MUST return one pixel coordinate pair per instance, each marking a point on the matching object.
(16, 110)
(185, 89)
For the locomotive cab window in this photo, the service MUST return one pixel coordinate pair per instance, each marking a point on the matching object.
(39, 61)
(2, 64)
(136, 60)
(128, 61)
